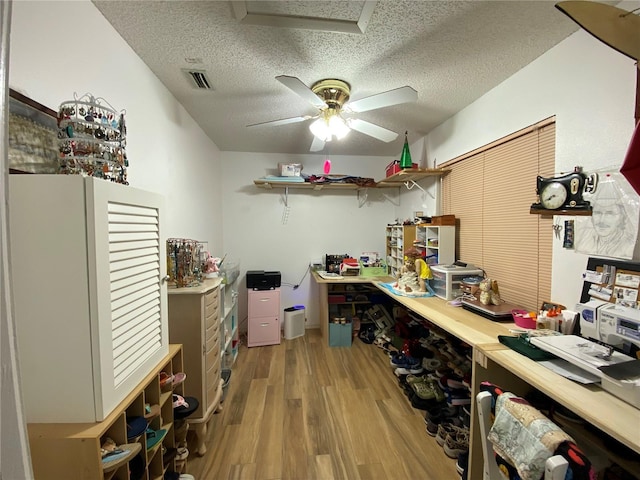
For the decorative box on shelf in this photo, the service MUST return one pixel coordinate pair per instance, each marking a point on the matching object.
(394, 167)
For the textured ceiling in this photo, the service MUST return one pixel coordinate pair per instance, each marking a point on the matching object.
(451, 52)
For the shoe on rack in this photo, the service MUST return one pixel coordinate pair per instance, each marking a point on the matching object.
(408, 371)
(463, 462)
(456, 444)
(444, 429)
(404, 361)
(458, 397)
(431, 364)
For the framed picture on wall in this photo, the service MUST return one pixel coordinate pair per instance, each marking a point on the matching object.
(33, 140)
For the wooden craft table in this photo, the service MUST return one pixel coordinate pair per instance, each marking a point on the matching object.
(512, 371)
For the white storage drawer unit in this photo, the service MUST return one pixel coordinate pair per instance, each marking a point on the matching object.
(447, 279)
(87, 263)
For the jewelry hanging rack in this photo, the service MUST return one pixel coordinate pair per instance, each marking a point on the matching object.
(92, 138)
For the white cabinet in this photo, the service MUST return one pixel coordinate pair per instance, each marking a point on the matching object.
(437, 243)
(399, 239)
(87, 263)
(194, 321)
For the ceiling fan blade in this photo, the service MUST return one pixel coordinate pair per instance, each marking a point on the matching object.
(372, 130)
(384, 99)
(295, 84)
(317, 144)
(282, 121)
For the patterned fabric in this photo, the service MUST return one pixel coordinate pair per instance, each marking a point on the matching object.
(523, 436)
(580, 467)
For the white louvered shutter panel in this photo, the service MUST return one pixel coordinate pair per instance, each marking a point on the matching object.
(134, 267)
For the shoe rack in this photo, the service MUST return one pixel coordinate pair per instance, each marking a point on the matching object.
(73, 450)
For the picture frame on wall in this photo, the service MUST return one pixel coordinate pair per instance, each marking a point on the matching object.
(33, 141)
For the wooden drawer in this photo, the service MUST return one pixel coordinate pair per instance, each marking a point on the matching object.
(211, 304)
(211, 357)
(212, 338)
(211, 319)
(213, 383)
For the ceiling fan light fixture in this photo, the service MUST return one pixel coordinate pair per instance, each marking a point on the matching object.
(329, 125)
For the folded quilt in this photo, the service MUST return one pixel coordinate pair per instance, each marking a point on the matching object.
(524, 436)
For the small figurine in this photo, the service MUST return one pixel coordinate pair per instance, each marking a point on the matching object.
(210, 266)
(489, 293)
(414, 273)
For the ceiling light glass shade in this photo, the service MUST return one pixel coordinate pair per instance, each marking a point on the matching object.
(329, 125)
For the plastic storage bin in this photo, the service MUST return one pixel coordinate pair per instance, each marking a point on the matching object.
(340, 334)
(226, 379)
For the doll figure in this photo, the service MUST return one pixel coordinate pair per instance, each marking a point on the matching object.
(414, 273)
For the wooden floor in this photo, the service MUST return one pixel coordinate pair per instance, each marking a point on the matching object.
(302, 410)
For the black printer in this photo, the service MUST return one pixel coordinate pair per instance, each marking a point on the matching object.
(261, 280)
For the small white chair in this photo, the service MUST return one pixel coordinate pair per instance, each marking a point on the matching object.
(555, 467)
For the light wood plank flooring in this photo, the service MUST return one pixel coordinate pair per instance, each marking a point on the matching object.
(302, 410)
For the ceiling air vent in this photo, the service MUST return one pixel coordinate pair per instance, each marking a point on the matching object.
(198, 79)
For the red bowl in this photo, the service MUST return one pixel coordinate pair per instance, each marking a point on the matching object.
(522, 319)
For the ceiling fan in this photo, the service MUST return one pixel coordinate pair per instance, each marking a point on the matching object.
(331, 97)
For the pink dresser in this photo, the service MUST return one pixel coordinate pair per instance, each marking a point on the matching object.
(264, 317)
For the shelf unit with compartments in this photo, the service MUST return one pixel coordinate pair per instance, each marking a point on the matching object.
(399, 238)
(229, 334)
(437, 243)
(72, 450)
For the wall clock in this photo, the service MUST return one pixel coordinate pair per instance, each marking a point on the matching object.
(564, 192)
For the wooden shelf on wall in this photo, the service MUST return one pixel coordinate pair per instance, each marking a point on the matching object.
(411, 175)
(268, 184)
(395, 180)
(551, 213)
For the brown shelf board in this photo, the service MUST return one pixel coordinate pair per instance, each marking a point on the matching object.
(412, 174)
(550, 213)
(307, 186)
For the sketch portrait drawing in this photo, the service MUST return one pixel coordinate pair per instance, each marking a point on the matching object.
(612, 229)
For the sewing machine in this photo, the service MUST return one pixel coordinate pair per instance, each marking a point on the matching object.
(614, 326)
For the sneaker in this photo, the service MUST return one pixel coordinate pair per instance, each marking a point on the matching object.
(458, 397)
(432, 425)
(442, 410)
(408, 371)
(404, 361)
(431, 364)
(463, 462)
(451, 381)
(457, 443)
(444, 429)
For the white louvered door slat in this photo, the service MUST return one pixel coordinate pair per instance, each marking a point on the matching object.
(134, 246)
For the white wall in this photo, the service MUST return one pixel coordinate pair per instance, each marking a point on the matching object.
(62, 48)
(590, 88)
(319, 222)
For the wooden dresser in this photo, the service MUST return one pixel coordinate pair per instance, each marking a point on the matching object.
(194, 321)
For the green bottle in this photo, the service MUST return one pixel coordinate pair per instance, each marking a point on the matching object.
(405, 158)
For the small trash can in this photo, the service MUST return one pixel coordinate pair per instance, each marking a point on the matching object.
(294, 318)
(226, 379)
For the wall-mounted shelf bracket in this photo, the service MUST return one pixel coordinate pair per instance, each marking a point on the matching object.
(409, 184)
(286, 196)
(393, 201)
(363, 195)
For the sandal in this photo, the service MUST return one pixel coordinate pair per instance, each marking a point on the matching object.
(115, 456)
(154, 437)
(151, 411)
(179, 401)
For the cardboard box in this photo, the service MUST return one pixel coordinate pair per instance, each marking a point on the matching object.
(394, 167)
(443, 220)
